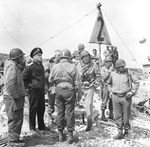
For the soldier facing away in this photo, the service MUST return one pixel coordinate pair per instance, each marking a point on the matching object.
(65, 76)
(14, 93)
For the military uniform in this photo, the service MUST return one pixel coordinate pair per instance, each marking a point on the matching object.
(14, 93)
(121, 86)
(51, 94)
(50, 89)
(105, 73)
(91, 79)
(64, 92)
(64, 75)
(105, 93)
(33, 77)
(34, 80)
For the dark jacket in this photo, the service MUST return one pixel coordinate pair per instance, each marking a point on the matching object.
(34, 76)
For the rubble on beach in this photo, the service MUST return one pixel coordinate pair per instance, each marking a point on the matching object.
(101, 134)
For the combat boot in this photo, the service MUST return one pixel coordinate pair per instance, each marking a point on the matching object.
(120, 135)
(103, 116)
(89, 124)
(70, 138)
(61, 136)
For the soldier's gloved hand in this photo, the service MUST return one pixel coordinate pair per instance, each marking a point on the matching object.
(129, 95)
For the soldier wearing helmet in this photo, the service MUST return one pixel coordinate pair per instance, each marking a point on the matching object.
(120, 63)
(90, 81)
(14, 93)
(51, 88)
(81, 47)
(34, 80)
(64, 76)
(75, 57)
(121, 81)
(105, 73)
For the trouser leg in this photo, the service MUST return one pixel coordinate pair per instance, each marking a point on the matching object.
(89, 103)
(14, 111)
(51, 103)
(105, 96)
(70, 106)
(89, 108)
(110, 107)
(60, 102)
(15, 125)
(41, 109)
(126, 113)
(33, 104)
(118, 111)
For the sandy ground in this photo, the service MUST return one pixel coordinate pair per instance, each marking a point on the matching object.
(101, 135)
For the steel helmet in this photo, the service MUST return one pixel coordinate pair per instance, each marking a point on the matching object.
(108, 59)
(81, 46)
(16, 53)
(66, 54)
(119, 63)
(84, 53)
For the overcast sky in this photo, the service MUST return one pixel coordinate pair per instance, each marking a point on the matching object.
(30, 23)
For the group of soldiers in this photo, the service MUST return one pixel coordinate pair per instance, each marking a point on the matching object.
(67, 77)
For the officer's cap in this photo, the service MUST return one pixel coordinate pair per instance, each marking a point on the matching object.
(35, 51)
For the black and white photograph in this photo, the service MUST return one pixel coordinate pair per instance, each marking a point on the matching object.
(74, 73)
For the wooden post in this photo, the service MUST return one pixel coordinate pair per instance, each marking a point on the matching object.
(100, 60)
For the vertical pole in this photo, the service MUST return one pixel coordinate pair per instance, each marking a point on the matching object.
(100, 60)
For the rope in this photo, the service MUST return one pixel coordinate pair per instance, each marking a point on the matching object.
(18, 21)
(121, 39)
(11, 36)
(66, 28)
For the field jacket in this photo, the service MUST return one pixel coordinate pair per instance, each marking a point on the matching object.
(13, 83)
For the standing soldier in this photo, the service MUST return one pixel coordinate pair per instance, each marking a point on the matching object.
(75, 57)
(34, 80)
(64, 75)
(51, 89)
(81, 47)
(123, 87)
(105, 72)
(91, 79)
(14, 93)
